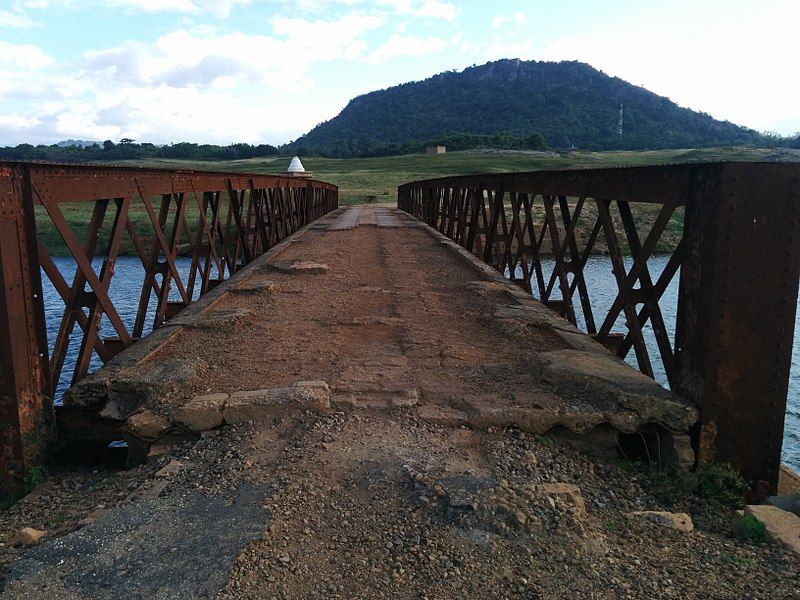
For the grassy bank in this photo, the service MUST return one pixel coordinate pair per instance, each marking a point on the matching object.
(379, 177)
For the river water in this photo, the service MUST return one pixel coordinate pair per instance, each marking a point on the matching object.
(126, 288)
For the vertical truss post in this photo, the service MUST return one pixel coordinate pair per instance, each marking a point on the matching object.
(736, 313)
(26, 404)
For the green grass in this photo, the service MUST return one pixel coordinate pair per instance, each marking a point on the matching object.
(361, 177)
(34, 477)
(738, 561)
(102, 484)
(57, 518)
(721, 486)
(752, 529)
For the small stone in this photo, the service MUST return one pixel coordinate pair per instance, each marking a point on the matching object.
(678, 521)
(201, 413)
(569, 493)
(147, 425)
(93, 516)
(27, 536)
(404, 398)
(170, 469)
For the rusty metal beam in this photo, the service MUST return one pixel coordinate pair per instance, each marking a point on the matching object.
(26, 410)
(736, 313)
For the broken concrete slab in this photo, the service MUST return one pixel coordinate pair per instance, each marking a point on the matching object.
(299, 267)
(256, 285)
(257, 405)
(201, 413)
(781, 527)
(677, 521)
(634, 397)
(146, 425)
(217, 319)
(403, 397)
(169, 470)
(122, 391)
(444, 416)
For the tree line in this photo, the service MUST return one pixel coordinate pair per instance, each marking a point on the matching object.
(127, 149)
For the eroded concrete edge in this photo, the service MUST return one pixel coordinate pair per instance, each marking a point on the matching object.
(82, 415)
(676, 418)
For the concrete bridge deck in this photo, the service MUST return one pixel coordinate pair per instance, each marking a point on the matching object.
(368, 411)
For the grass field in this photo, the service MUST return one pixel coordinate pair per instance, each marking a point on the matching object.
(358, 178)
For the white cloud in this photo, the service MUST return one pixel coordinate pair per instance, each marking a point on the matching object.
(517, 18)
(183, 59)
(218, 8)
(438, 10)
(157, 5)
(23, 56)
(14, 19)
(184, 86)
(407, 45)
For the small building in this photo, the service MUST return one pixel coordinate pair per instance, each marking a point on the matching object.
(296, 169)
(435, 149)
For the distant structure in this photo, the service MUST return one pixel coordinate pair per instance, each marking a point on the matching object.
(296, 169)
(435, 149)
(619, 126)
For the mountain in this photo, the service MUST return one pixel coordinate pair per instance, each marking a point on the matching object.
(571, 104)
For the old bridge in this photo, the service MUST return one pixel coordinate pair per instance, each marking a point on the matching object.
(254, 282)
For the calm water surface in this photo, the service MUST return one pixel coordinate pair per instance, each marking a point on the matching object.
(126, 288)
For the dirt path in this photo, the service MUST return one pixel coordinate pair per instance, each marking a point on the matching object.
(389, 494)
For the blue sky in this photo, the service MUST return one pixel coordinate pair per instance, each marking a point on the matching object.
(222, 71)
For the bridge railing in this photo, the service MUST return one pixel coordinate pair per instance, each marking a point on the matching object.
(731, 234)
(189, 231)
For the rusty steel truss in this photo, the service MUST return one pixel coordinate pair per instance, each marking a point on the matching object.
(221, 221)
(737, 251)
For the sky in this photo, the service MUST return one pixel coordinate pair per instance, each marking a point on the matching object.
(267, 71)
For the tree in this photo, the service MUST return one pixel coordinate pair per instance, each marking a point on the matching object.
(536, 141)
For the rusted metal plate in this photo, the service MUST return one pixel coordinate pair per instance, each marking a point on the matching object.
(26, 411)
(736, 313)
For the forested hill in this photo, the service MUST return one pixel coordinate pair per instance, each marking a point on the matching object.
(570, 103)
